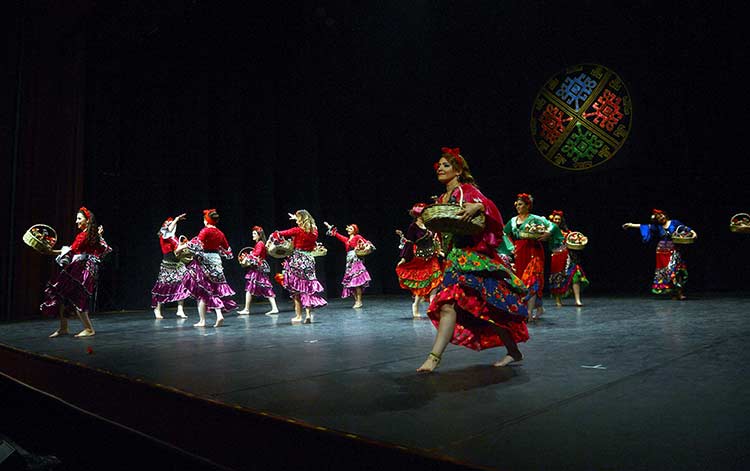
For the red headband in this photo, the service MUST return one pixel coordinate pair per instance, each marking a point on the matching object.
(526, 198)
(557, 212)
(207, 217)
(167, 221)
(456, 153)
(355, 228)
(257, 229)
(657, 211)
(85, 212)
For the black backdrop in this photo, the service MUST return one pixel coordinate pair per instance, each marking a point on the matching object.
(341, 109)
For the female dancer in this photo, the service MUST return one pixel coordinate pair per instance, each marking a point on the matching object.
(356, 276)
(671, 270)
(206, 281)
(566, 273)
(74, 285)
(258, 283)
(480, 303)
(170, 284)
(418, 268)
(528, 254)
(299, 268)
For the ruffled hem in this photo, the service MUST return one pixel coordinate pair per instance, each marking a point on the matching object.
(576, 276)
(215, 295)
(72, 287)
(477, 320)
(168, 292)
(310, 301)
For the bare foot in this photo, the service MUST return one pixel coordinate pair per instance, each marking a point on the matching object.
(85, 333)
(157, 314)
(219, 322)
(272, 311)
(200, 324)
(181, 315)
(243, 312)
(507, 360)
(58, 333)
(430, 363)
(296, 320)
(308, 319)
(357, 306)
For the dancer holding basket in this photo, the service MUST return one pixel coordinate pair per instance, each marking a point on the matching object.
(257, 282)
(356, 277)
(419, 269)
(73, 287)
(566, 274)
(527, 232)
(480, 303)
(299, 268)
(671, 272)
(170, 283)
(206, 280)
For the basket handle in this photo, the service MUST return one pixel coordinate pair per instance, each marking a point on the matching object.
(740, 214)
(461, 196)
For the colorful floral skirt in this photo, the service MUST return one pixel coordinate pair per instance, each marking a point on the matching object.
(565, 271)
(72, 288)
(300, 279)
(420, 275)
(529, 262)
(671, 271)
(355, 275)
(206, 282)
(257, 282)
(170, 284)
(487, 296)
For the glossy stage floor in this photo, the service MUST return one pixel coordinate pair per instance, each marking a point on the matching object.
(621, 383)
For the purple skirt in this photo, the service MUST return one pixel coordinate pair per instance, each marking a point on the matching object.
(355, 276)
(257, 282)
(72, 287)
(170, 284)
(300, 279)
(206, 282)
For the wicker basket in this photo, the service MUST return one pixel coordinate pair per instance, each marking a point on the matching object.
(244, 258)
(364, 249)
(530, 235)
(280, 249)
(41, 238)
(682, 237)
(182, 253)
(576, 241)
(320, 250)
(441, 217)
(740, 223)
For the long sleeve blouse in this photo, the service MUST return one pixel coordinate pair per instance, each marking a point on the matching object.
(350, 243)
(81, 246)
(302, 240)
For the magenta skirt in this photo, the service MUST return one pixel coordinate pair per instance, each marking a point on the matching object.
(72, 287)
(206, 282)
(170, 284)
(355, 275)
(257, 282)
(300, 279)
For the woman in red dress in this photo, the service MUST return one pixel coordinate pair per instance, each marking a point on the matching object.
(418, 269)
(356, 276)
(206, 280)
(170, 283)
(74, 286)
(299, 268)
(481, 302)
(566, 274)
(257, 282)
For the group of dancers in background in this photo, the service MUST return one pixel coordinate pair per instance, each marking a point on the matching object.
(483, 289)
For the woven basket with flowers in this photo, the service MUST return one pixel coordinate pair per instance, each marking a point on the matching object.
(443, 217)
(41, 238)
(683, 235)
(740, 223)
(576, 241)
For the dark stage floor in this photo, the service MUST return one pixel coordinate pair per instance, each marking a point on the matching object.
(622, 383)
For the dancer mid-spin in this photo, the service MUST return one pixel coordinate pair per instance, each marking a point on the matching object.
(480, 303)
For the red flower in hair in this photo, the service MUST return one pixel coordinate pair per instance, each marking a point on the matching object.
(657, 211)
(257, 229)
(207, 215)
(526, 198)
(85, 212)
(557, 212)
(456, 153)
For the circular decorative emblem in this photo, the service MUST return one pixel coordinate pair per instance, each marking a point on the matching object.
(581, 117)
